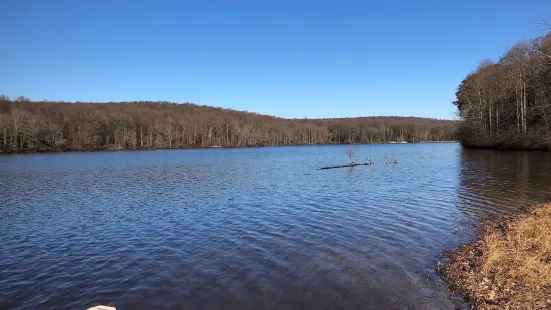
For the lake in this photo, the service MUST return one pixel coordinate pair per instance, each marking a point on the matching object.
(250, 228)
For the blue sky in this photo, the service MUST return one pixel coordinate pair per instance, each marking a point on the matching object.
(288, 58)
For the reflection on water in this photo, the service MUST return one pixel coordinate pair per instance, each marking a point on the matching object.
(494, 182)
(247, 228)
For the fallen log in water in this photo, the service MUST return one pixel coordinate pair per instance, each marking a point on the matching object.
(345, 166)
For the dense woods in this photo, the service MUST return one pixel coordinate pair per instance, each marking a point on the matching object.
(507, 104)
(27, 126)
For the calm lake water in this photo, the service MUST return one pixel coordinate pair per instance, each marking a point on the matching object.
(254, 228)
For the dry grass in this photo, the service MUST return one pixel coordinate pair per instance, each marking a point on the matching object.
(508, 266)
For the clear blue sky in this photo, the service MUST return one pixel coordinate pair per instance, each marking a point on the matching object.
(288, 58)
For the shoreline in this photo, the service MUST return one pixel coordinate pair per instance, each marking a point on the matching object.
(544, 148)
(107, 149)
(507, 265)
(524, 143)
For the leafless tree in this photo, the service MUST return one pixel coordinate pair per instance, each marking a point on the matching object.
(506, 104)
(27, 126)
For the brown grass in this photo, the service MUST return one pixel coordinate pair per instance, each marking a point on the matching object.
(508, 266)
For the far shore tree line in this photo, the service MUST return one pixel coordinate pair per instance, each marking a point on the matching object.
(30, 126)
(507, 103)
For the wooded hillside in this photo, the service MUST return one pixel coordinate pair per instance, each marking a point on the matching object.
(27, 126)
(507, 104)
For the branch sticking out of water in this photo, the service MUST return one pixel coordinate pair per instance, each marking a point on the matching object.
(390, 159)
(351, 152)
(347, 166)
(369, 161)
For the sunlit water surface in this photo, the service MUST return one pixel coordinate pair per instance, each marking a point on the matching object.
(254, 228)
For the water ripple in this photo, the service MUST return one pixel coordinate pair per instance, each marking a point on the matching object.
(248, 228)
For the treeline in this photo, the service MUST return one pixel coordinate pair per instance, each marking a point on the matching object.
(27, 126)
(507, 104)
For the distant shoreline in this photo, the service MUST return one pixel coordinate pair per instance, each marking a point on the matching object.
(107, 149)
(30, 126)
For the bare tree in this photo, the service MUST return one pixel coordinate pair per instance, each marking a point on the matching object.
(30, 126)
(506, 103)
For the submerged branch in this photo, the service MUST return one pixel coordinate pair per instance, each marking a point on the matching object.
(346, 166)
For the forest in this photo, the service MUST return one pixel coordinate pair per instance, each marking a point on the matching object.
(30, 126)
(507, 103)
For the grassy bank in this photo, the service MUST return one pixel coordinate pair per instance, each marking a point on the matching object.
(508, 265)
